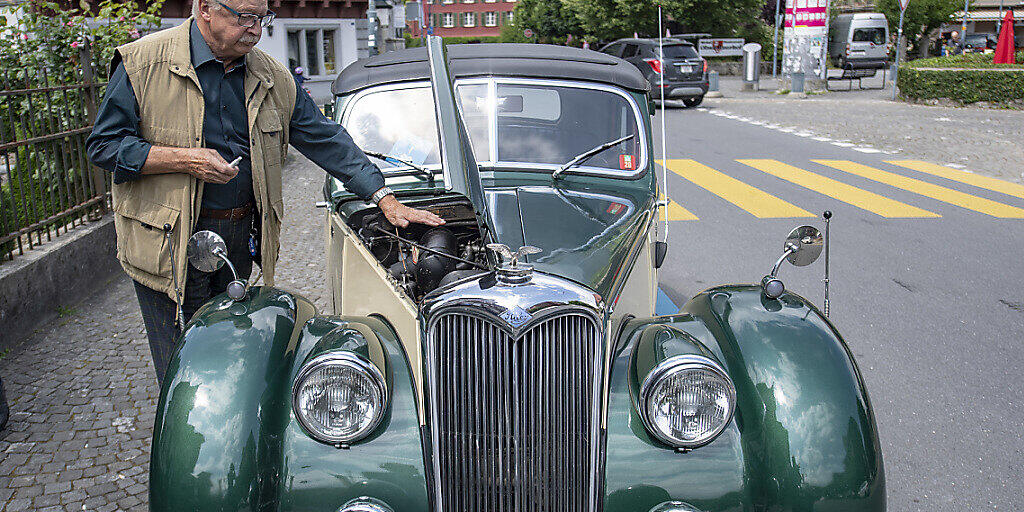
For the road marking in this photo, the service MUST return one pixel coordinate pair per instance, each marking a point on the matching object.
(867, 149)
(843, 144)
(675, 211)
(985, 182)
(838, 190)
(758, 202)
(946, 195)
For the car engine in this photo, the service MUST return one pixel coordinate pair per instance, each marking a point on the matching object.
(423, 258)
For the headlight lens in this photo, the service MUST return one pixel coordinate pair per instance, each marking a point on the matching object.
(686, 401)
(339, 397)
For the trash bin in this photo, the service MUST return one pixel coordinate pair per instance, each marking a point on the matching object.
(751, 66)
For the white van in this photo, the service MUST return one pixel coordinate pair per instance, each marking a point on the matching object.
(859, 41)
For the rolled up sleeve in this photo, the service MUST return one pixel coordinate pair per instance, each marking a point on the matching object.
(115, 143)
(328, 145)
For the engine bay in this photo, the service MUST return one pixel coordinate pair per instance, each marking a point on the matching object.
(423, 258)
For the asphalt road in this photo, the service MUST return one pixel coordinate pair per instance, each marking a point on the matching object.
(928, 294)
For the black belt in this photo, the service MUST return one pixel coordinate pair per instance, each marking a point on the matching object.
(229, 214)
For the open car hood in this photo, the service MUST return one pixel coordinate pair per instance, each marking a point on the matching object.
(461, 173)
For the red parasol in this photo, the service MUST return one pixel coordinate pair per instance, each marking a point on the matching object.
(1005, 49)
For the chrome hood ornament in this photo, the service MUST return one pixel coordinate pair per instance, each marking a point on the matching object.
(509, 271)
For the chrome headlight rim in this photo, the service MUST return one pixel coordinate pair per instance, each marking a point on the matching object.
(352, 360)
(674, 365)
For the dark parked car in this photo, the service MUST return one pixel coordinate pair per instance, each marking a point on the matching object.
(978, 43)
(686, 73)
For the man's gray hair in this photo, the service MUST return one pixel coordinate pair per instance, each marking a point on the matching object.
(197, 5)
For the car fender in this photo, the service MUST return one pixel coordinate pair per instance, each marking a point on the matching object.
(803, 436)
(225, 436)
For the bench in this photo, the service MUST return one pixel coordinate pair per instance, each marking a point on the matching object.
(850, 74)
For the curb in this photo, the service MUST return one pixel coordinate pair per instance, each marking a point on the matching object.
(60, 274)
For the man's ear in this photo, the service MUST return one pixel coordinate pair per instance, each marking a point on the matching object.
(204, 10)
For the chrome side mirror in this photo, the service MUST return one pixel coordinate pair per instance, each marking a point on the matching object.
(207, 252)
(801, 248)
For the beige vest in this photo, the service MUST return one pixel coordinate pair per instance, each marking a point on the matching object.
(171, 106)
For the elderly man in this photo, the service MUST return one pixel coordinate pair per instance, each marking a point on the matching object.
(183, 103)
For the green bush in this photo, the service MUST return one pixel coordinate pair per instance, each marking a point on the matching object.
(964, 79)
(966, 61)
(964, 86)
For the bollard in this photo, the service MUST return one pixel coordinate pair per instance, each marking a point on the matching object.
(797, 83)
(751, 66)
(713, 91)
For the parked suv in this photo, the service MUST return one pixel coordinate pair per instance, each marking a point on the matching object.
(686, 73)
(980, 42)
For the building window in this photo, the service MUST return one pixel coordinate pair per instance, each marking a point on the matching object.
(447, 20)
(468, 19)
(490, 1)
(447, 1)
(491, 19)
(314, 49)
(508, 17)
(468, 1)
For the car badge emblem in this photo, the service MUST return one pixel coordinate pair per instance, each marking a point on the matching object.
(509, 271)
(516, 316)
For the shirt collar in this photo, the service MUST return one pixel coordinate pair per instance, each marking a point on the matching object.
(201, 52)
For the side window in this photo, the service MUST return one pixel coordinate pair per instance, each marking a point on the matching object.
(614, 49)
(631, 51)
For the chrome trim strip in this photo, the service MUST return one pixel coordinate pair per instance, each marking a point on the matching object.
(671, 365)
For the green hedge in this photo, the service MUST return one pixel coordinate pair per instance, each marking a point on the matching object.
(963, 79)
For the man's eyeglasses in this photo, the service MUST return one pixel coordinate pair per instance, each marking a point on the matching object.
(248, 20)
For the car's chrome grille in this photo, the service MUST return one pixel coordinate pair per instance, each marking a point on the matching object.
(514, 417)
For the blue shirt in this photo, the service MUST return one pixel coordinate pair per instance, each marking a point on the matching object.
(116, 145)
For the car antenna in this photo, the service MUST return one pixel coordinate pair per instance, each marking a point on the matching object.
(663, 204)
(828, 217)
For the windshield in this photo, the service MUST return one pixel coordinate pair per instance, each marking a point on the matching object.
(869, 35)
(537, 125)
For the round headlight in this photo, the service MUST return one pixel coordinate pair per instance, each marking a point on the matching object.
(686, 401)
(339, 397)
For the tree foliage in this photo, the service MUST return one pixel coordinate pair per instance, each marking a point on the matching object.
(606, 20)
(922, 17)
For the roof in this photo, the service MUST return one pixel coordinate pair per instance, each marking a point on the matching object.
(493, 59)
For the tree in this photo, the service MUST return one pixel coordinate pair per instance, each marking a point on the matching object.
(550, 21)
(921, 18)
(605, 20)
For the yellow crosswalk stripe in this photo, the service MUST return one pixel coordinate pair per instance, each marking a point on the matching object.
(946, 195)
(675, 211)
(949, 173)
(758, 202)
(838, 190)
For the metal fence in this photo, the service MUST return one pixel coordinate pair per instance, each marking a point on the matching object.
(47, 185)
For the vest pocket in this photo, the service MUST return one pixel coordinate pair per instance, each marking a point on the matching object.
(271, 130)
(141, 239)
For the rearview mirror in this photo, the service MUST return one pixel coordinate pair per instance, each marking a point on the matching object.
(207, 252)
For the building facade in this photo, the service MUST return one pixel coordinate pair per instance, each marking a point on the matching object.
(463, 18)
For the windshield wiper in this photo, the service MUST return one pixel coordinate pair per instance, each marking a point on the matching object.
(582, 157)
(419, 170)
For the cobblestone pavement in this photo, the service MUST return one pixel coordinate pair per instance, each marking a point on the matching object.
(983, 140)
(83, 392)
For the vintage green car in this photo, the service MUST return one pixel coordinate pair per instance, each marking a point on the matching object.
(520, 357)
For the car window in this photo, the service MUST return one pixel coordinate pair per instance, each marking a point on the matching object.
(869, 35)
(680, 51)
(614, 49)
(631, 50)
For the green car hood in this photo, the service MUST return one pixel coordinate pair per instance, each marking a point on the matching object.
(587, 229)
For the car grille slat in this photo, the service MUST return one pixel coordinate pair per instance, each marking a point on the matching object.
(514, 418)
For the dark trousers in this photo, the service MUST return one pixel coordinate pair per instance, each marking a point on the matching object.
(158, 309)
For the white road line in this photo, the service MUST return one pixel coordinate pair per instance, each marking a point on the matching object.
(799, 132)
(844, 144)
(821, 139)
(867, 150)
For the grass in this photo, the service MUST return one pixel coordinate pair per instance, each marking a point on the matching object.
(64, 311)
(966, 61)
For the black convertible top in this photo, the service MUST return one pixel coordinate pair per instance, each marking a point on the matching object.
(493, 59)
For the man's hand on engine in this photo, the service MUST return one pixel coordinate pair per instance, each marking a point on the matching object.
(401, 215)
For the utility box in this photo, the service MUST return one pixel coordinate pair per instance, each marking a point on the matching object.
(751, 66)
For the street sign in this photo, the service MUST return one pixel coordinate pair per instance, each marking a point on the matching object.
(527, 33)
(720, 47)
(903, 4)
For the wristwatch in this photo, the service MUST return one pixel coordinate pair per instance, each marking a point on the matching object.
(380, 194)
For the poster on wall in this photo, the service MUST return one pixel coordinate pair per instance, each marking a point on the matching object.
(805, 38)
